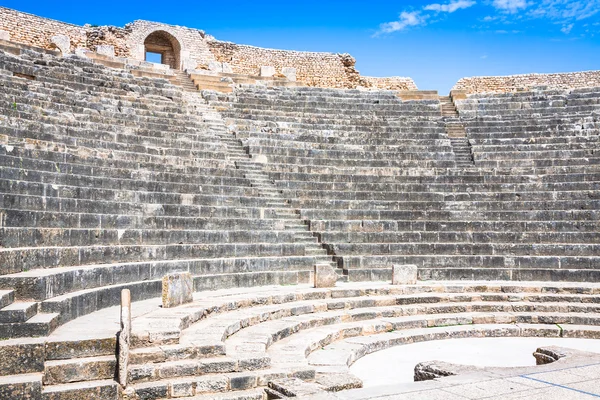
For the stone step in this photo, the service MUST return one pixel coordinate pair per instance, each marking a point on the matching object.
(79, 369)
(41, 324)
(176, 352)
(7, 297)
(208, 386)
(18, 312)
(256, 394)
(100, 389)
(24, 386)
(191, 368)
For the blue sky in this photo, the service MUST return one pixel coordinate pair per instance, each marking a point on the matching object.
(434, 42)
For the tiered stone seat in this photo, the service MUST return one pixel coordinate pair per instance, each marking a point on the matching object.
(320, 128)
(110, 182)
(374, 200)
(533, 129)
(232, 343)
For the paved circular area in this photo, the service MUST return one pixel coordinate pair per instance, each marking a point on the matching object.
(396, 365)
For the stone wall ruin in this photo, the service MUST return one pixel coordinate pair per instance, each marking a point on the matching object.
(519, 83)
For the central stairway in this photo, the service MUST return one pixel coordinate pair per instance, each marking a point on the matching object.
(266, 187)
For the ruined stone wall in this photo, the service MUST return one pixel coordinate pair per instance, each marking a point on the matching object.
(514, 83)
(391, 83)
(108, 35)
(36, 31)
(194, 50)
(312, 69)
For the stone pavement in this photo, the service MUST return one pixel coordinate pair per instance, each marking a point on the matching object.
(575, 377)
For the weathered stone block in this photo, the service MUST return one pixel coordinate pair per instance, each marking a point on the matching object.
(267, 71)
(227, 68)
(324, 276)
(4, 35)
(62, 43)
(105, 50)
(289, 73)
(177, 289)
(81, 52)
(404, 274)
(215, 66)
(21, 356)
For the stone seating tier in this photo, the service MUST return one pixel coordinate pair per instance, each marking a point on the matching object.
(230, 344)
(110, 181)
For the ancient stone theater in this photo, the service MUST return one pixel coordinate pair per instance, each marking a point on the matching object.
(242, 223)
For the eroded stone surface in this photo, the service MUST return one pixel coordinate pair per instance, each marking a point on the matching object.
(177, 289)
(267, 71)
(404, 274)
(124, 337)
(325, 276)
(62, 42)
(106, 50)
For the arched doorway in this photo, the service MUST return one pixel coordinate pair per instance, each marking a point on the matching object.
(162, 47)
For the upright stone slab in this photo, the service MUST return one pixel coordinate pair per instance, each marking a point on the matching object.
(325, 276)
(177, 289)
(267, 71)
(62, 42)
(124, 336)
(215, 66)
(4, 35)
(227, 68)
(289, 73)
(404, 274)
(105, 50)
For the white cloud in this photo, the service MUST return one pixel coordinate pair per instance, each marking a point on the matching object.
(451, 7)
(566, 9)
(483, 57)
(511, 6)
(407, 19)
(566, 29)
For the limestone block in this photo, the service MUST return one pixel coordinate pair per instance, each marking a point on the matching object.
(177, 289)
(324, 276)
(227, 68)
(4, 35)
(81, 52)
(404, 274)
(186, 60)
(215, 66)
(105, 50)
(260, 159)
(138, 52)
(267, 71)
(62, 43)
(290, 73)
(124, 337)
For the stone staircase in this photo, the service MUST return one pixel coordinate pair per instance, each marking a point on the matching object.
(447, 106)
(183, 80)
(260, 180)
(224, 82)
(457, 133)
(462, 151)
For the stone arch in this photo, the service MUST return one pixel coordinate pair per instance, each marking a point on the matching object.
(164, 43)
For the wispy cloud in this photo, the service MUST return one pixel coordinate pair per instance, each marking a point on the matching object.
(407, 19)
(564, 13)
(415, 18)
(566, 29)
(566, 9)
(510, 6)
(450, 7)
